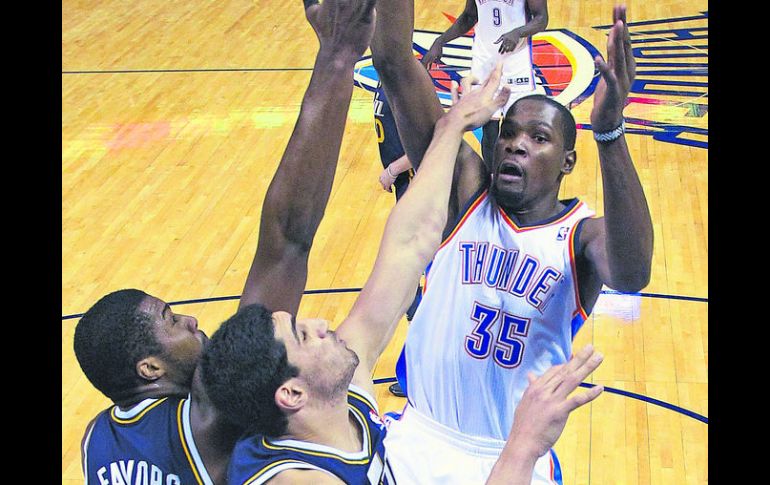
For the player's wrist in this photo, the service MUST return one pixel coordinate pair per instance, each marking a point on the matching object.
(611, 135)
(336, 59)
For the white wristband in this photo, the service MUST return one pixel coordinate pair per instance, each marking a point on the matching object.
(612, 135)
(387, 169)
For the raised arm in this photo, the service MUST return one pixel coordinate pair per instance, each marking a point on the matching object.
(541, 416)
(297, 196)
(465, 22)
(617, 247)
(537, 21)
(413, 98)
(413, 231)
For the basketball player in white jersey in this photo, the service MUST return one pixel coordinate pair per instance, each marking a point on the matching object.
(503, 32)
(519, 269)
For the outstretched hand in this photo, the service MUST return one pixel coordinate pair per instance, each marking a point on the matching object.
(617, 75)
(508, 42)
(342, 26)
(476, 106)
(545, 406)
(433, 54)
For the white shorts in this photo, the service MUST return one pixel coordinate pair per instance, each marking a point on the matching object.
(518, 74)
(422, 452)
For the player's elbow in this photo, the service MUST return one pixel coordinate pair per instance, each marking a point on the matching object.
(632, 280)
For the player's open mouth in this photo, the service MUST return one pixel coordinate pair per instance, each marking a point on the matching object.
(510, 171)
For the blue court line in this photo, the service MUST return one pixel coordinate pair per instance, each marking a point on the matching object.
(214, 69)
(650, 400)
(353, 290)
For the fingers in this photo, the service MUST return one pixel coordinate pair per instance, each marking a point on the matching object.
(583, 398)
(367, 8)
(616, 52)
(312, 8)
(578, 368)
(455, 95)
(604, 70)
(467, 82)
(619, 13)
(627, 49)
(494, 77)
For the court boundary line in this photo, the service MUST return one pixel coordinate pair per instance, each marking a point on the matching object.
(611, 390)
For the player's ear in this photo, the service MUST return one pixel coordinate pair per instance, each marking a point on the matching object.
(150, 368)
(291, 396)
(570, 158)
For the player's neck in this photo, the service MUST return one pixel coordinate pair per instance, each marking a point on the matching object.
(332, 425)
(155, 390)
(532, 213)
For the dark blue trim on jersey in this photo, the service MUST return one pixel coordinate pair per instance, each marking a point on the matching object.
(353, 290)
(569, 206)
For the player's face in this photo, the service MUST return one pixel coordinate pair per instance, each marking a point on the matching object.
(529, 155)
(325, 363)
(179, 336)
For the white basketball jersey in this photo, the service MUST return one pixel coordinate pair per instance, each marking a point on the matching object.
(495, 18)
(500, 300)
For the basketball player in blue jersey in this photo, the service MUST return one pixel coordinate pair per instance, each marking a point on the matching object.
(304, 392)
(503, 32)
(519, 269)
(139, 353)
(397, 170)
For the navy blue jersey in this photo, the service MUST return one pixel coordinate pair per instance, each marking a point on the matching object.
(388, 141)
(257, 459)
(151, 443)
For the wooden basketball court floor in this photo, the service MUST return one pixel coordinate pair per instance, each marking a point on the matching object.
(174, 117)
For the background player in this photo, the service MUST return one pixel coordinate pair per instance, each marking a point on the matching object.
(519, 269)
(503, 31)
(141, 355)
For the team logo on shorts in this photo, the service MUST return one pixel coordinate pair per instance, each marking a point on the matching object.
(668, 100)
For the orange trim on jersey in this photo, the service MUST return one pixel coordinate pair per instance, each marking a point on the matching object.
(464, 218)
(190, 460)
(573, 265)
(525, 229)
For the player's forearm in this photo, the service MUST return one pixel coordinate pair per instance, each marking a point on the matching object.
(629, 232)
(407, 84)
(538, 18)
(537, 23)
(302, 183)
(400, 165)
(462, 25)
(411, 237)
